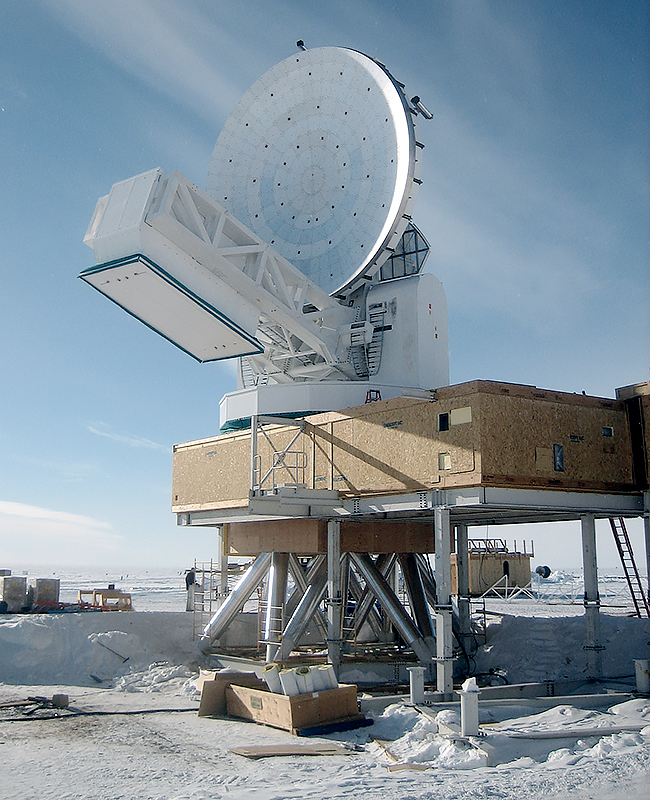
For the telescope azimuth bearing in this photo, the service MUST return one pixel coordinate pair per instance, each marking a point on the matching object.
(319, 159)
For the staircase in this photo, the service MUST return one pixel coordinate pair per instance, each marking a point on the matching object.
(629, 566)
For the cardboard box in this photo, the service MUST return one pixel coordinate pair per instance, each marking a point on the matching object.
(213, 689)
(46, 590)
(14, 592)
(295, 713)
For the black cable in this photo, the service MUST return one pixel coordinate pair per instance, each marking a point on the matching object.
(75, 712)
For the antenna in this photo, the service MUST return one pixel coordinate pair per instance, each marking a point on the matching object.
(318, 158)
(300, 258)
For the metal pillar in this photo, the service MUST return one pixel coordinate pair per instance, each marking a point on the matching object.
(276, 593)
(444, 647)
(391, 605)
(334, 600)
(237, 598)
(591, 598)
(222, 568)
(254, 465)
(646, 528)
(303, 579)
(307, 607)
(418, 602)
(462, 572)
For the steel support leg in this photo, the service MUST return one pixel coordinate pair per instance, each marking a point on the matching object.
(646, 528)
(417, 600)
(391, 605)
(334, 600)
(444, 646)
(307, 607)
(592, 598)
(222, 567)
(462, 570)
(237, 598)
(276, 593)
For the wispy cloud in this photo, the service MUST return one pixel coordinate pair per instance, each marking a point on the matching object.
(131, 440)
(30, 533)
(9, 509)
(172, 47)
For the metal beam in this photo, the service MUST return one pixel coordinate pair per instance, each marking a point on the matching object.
(646, 528)
(365, 610)
(334, 599)
(417, 600)
(592, 598)
(462, 572)
(473, 505)
(302, 580)
(391, 605)
(237, 598)
(305, 610)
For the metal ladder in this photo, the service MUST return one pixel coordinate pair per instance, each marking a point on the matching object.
(629, 566)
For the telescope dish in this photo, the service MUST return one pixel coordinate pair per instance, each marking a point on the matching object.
(318, 158)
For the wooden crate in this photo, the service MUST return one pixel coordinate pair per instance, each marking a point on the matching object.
(296, 713)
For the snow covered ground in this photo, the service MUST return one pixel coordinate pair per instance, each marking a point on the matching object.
(132, 731)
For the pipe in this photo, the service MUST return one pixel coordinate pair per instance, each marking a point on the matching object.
(334, 599)
(302, 580)
(304, 612)
(391, 604)
(415, 590)
(592, 598)
(237, 598)
(365, 610)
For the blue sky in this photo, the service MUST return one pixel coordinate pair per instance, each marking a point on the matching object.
(535, 202)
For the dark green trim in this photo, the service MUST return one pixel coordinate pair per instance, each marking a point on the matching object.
(244, 423)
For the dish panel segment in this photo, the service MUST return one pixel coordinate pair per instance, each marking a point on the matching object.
(318, 158)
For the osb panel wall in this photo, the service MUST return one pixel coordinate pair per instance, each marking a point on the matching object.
(302, 536)
(645, 405)
(309, 537)
(392, 446)
(211, 474)
(486, 569)
(519, 431)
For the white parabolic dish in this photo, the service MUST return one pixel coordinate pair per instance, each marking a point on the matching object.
(318, 158)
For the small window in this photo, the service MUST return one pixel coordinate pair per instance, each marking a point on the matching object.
(608, 431)
(444, 460)
(558, 458)
(443, 422)
(461, 416)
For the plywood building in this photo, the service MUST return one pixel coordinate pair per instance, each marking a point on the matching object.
(480, 433)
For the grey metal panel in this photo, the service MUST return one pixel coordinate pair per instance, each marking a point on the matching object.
(470, 506)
